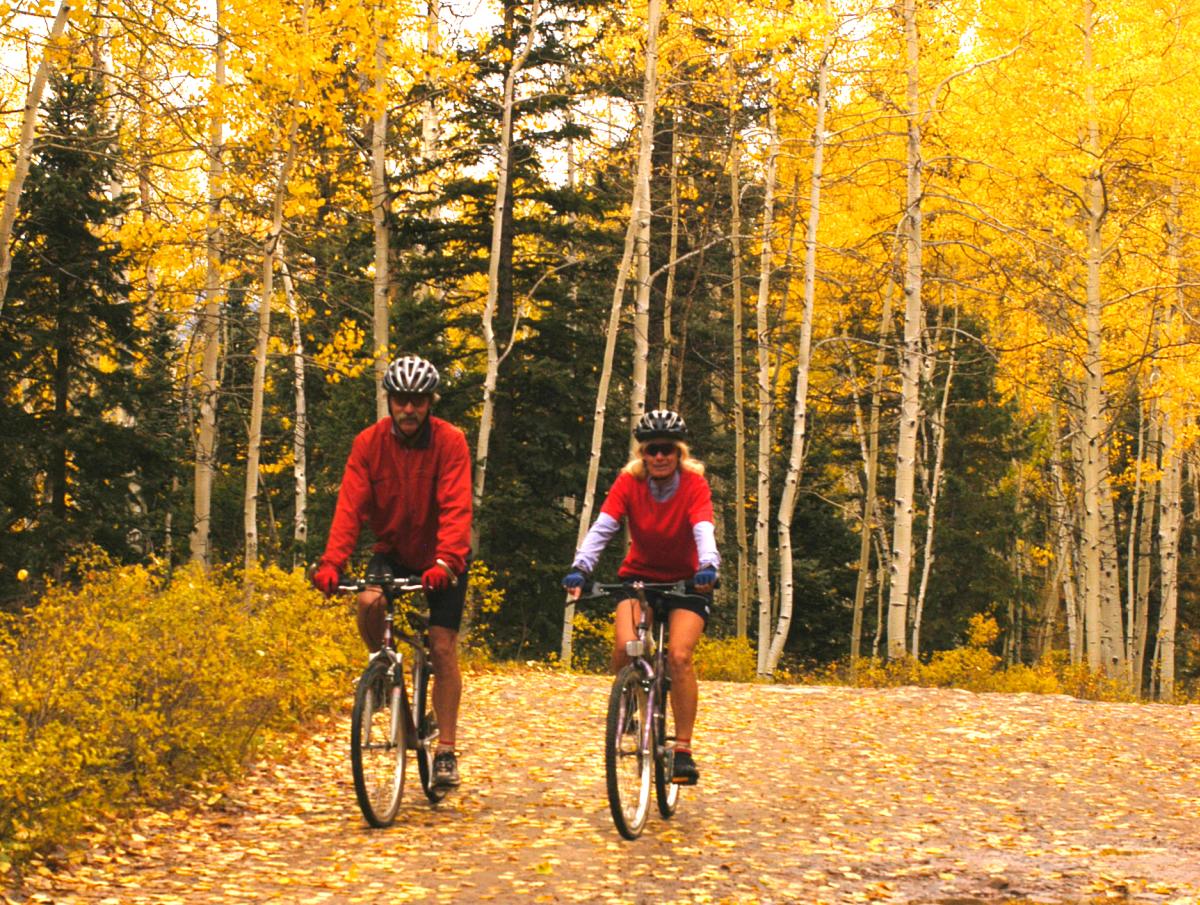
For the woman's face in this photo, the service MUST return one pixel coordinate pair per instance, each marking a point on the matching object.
(661, 458)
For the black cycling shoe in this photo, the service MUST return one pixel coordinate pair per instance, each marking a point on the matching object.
(684, 772)
(445, 770)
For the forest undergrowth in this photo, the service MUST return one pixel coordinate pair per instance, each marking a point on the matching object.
(136, 687)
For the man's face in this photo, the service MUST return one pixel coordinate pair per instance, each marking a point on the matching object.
(408, 411)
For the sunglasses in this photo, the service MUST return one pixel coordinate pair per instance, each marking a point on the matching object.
(417, 400)
(660, 449)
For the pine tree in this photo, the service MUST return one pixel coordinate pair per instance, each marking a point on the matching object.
(69, 345)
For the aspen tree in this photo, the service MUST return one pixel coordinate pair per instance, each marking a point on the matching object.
(645, 146)
(270, 257)
(934, 489)
(33, 100)
(300, 425)
(791, 483)
(664, 368)
(379, 214)
(214, 294)
(766, 438)
(489, 308)
(739, 413)
(910, 359)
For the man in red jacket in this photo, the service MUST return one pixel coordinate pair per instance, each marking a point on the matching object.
(409, 478)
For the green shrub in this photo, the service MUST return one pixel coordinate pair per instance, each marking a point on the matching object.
(129, 688)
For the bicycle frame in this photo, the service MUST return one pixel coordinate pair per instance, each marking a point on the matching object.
(629, 786)
(408, 713)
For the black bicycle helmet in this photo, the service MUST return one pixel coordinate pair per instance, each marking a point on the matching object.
(411, 374)
(661, 424)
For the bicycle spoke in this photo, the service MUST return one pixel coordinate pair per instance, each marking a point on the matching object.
(627, 762)
(377, 754)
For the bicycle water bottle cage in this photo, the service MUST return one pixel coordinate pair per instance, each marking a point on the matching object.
(634, 648)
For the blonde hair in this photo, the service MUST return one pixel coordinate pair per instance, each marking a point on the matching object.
(636, 466)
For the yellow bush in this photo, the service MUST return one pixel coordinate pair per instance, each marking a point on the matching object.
(484, 601)
(976, 668)
(592, 641)
(727, 659)
(130, 687)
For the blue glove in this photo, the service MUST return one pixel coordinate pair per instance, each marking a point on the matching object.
(575, 579)
(705, 578)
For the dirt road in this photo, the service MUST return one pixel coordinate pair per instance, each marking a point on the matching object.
(807, 795)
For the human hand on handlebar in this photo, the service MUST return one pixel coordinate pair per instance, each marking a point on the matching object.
(704, 579)
(437, 578)
(575, 582)
(326, 579)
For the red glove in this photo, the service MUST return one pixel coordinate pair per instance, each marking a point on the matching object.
(326, 579)
(436, 578)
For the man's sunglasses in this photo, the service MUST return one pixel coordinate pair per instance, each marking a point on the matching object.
(415, 399)
(660, 449)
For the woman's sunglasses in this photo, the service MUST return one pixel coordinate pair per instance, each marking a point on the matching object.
(660, 449)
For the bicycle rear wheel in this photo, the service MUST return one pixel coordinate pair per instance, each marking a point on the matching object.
(427, 733)
(377, 753)
(626, 760)
(665, 791)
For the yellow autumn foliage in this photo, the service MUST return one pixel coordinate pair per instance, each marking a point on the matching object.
(135, 686)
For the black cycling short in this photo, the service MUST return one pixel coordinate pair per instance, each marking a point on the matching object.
(695, 602)
(445, 607)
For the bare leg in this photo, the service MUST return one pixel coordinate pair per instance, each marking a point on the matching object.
(624, 629)
(686, 628)
(447, 682)
(372, 617)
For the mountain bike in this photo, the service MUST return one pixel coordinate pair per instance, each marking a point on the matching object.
(638, 749)
(392, 714)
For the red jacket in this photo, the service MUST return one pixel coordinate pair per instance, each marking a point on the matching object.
(661, 544)
(416, 495)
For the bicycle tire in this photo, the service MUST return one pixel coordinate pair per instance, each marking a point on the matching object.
(626, 762)
(666, 792)
(377, 751)
(427, 734)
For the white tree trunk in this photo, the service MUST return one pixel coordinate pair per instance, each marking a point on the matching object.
(1065, 550)
(300, 428)
(910, 363)
(209, 320)
(610, 342)
(379, 211)
(1170, 520)
(270, 252)
(491, 376)
(870, 507)
(33, 100)
(739, 413)
(641, 316)
(1141, 597)
(1097, 557)
(791, 481)
(766, 400)
(664, 369)
(935, 489)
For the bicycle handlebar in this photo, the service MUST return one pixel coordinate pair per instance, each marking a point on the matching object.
(669, 588)
(395, 583)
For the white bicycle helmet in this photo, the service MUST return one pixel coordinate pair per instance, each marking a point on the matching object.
(411, 374)
(661, 424)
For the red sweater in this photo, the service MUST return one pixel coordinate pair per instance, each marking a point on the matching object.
(416, 497)
(662, 546)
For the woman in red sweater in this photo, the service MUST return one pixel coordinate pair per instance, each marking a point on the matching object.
(667, 503)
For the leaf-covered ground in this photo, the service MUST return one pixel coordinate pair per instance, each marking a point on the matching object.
(807, 795)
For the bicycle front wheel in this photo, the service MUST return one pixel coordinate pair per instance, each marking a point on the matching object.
(377, 754)
(626, 758)
(665, 791)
